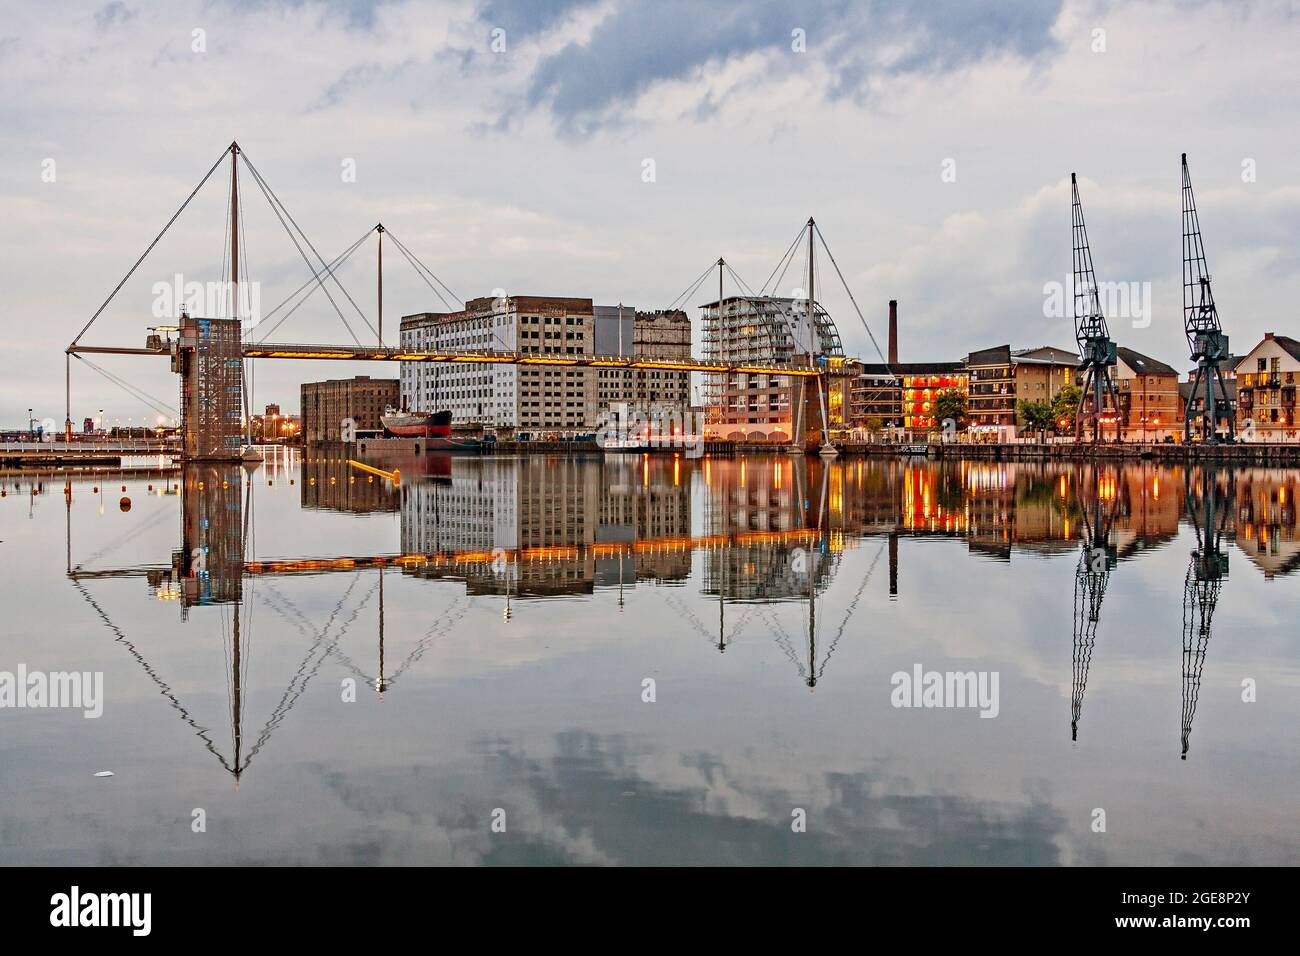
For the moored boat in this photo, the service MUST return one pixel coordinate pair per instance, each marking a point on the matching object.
(416, 424)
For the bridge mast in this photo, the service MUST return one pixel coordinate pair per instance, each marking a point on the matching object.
(380, 229)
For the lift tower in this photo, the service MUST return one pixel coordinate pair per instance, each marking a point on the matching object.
(1205, 336)
(1096, 349)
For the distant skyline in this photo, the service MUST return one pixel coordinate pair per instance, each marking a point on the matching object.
(507, 145)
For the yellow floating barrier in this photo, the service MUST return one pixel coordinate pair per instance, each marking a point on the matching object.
(395, 476)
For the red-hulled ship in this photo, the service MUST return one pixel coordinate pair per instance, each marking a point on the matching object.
(417, 424)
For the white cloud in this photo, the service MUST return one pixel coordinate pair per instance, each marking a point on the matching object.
(749, 140)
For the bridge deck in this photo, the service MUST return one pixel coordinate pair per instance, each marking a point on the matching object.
(361, 353)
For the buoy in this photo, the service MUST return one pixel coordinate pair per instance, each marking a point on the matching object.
(125, 503)
(270, 482)
(124, 486)
(96, 488)
(151, 486)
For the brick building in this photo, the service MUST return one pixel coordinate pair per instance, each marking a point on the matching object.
(325, 405)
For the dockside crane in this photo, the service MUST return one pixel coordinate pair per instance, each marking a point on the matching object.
(1205, 335)
(1097, 352)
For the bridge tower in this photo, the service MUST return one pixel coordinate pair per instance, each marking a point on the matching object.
(209, 357)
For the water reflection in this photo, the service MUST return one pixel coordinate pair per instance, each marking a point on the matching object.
(748, 557)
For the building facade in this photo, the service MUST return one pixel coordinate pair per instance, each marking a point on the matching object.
(1041, 373)
(655, 394)
(764, 330)
(543, 399)
(1266, 379)
(327, 405)
(902, 395)
(1150, 403)
(1002, 377)
(991, 401)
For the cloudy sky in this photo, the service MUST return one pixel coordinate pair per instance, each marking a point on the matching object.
(507, 145)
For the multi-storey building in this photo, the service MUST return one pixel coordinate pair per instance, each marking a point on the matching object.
(1042, 372)
(550, 399)
(902, 395)
(326, 405)
(1150, 404)
(991, 401)
(1266, 379)
(652, 393)
(1000, 377)
(763, 330)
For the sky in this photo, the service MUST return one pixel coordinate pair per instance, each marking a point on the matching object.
(613, 150)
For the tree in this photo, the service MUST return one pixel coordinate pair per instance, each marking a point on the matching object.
(1064, 406)
(1037, 416)
(951, 404)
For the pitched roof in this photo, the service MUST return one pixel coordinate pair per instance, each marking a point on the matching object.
(1144, 364)
(1290, 344)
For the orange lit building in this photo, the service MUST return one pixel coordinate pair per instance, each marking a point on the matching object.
(920, 391)
(902, 395)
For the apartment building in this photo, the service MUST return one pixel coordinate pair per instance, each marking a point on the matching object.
(652, 393)
(1042, 372)
(902, 395)
(1266, 379)
(991, 400)
(1150, 403)
(550, 399)
(1001, 377)
(553, 398)
(763, 330)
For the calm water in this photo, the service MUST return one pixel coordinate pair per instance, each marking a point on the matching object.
(500, 620)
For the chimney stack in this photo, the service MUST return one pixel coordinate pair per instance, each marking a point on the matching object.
(893, 331)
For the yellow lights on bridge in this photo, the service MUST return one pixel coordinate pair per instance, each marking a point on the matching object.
(360, 353)
(489, 357)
